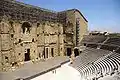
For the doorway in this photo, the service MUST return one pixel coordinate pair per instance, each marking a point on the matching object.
(46, 52)
(76, 52)
(52, 52)
(43, 53)
(69, 52)
(27, 55)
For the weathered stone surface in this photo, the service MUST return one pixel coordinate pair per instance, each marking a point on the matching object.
(32, 33)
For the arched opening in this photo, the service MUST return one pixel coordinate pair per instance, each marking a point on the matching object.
(11, 23)
(26, 27)
(76, 52)
(38, 24)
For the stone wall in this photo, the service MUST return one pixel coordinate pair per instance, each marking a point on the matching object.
(24, 12)
(22, 36)
(77, 23)
(30, 33)
(83, 25)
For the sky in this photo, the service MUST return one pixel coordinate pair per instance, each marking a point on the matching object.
(102, 15)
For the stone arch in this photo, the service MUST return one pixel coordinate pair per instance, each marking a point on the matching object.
(26, 27)
(38, 24)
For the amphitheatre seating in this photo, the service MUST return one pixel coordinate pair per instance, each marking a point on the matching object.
(94, 64)
(88, 56)
(105, 66)
(101, 58)
(92, 45)
(113, 41)
(93, 39)
(108, 47)
(115, 76)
